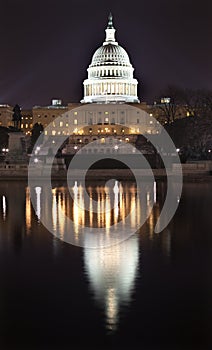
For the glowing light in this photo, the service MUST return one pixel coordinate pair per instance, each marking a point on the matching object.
(54, 210)
(75, 188)
(28, 213)
(4, 207)
(155, 191)
(38, 203)
(116, 201)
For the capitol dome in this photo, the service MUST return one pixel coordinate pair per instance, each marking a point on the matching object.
(110, 54)
(110, 74)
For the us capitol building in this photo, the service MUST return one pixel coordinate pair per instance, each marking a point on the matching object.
(110, 106)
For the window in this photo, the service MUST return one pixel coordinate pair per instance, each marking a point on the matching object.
(53, 132)
(75, 113)
(61, 124)
(137, 120)
(75, 121)
(165, 100)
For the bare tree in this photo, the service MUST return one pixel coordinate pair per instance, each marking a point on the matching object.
(168, 103)
(198, 103)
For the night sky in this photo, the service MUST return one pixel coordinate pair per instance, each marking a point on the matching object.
(46, 46)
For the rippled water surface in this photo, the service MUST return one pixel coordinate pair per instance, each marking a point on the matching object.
(152, 291)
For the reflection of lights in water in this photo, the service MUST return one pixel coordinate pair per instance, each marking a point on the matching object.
(98, 206)
(54, 210)
(116, 202)
(116, 188)
(90, 208)
(155, 191)
(76, 212)
(107, 213)
(133, 209)
(38, 206)
(58, 211)
(138, 210)
(113, 205)
(78, 205)
(61, 213)
(4, 207)
(112, 272)
(28, 212)
(151, 225)
(75, 188)
(111, 306)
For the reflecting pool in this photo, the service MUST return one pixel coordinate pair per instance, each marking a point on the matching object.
(151, 291)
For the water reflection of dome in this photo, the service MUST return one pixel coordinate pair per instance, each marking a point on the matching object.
(112, 273)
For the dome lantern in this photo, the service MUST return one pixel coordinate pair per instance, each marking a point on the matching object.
(110, 31)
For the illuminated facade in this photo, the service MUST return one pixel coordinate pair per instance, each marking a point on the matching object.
(6, 113)
(110, 74)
